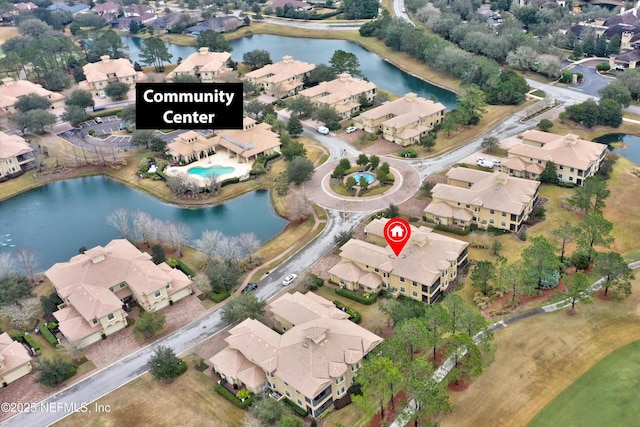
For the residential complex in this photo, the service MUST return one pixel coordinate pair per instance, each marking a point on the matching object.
(15, 360)
(312, 363)
(403, 121)
(486, 199)
(425, 268)
(205, 65)
(97, 284)
(245, 144)
(575, 159)
(16, 155)
(344, 94)
(282, 79)
(11, 90)
(107, 70)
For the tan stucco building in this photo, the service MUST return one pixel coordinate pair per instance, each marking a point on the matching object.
(11, 90)
(425, 268)
(487, 199)
(312, 363)
(205, 65)
(403, 121)
(575, 159)
(96, 284)
(343, 94)
(15, 155)
(282, 79)
(15, 360)
(100, 74)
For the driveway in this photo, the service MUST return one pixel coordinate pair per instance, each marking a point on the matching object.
(592, 82)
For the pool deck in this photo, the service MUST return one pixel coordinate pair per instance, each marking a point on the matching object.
(219, 159)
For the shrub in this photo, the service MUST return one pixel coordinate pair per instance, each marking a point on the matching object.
(231, 398)
(54, 371)
(218, 296)
(181, 266)
(28, 339)
(366, 300)
(580, 260)
(229, 181)
(603, 66)
(550, 280)
(454, 230)
(46, 333)
(298, 410)
(48, 306)
(409, 152)
(319, 280)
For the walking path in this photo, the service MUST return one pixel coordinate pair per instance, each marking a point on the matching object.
(405, 416)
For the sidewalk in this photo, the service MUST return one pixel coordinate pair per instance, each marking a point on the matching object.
(404, 417)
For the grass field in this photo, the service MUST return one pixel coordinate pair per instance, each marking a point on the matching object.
(606, 394)
(190, 398)
(538, 358)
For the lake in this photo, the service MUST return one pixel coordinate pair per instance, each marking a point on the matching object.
(318, 51)
(631, 151)
(57, 219)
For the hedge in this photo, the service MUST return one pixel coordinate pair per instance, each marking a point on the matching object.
(231, 398)
(354, 315)
(181, 266)
(218, 296)
(357, 297)
(46, 333)
(32, 343)
(458, 231)
(229, 181)
(298, 410)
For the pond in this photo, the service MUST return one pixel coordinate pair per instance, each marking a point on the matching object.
(318, 51)
(59, 218)
(631, 150)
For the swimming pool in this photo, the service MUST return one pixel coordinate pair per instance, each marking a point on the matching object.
(366, 175)
(211, 170)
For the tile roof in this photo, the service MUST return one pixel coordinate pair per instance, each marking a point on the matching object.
(99, 71)
(12, 354)
(281, 71)
(566, 150)
(12, 146)
(339, 89)
(307, 357)
(202, 60)
(299, 308)
(254, 139)
(496, 190)
(11, 90)
(404, 110)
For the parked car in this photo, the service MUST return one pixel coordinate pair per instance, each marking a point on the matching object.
(351, 129)
(485, 163)
(289, 279)
(323, 130)
(98, 120)
(102, 94)
(250, 288)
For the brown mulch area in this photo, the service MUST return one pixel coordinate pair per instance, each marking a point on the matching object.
(523, 301)
(400, 402)
(601, 296)
(461, 385)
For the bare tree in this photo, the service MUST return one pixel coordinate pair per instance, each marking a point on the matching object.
(73, 349)
(212, 184)
(22, 312)
(27, 260)
(143, 227)
(7, 263)
(299, 206)
(202, 282)
(120, 220)
(208, 243)
(228, 248)
(250, 243)
(177, 235)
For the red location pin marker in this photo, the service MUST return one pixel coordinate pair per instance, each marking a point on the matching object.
(397, 233)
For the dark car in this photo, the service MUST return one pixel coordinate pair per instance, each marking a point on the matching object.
(250, 287)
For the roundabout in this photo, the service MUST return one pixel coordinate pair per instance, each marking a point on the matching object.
(406, 184)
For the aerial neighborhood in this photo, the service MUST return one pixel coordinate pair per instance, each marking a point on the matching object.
(400, 213)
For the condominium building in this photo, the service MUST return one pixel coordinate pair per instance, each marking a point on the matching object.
(282, 79)
(344, 94)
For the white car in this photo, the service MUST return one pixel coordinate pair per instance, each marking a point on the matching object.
(289, 279)
(351, 129)
(102, 95)
(323, 130)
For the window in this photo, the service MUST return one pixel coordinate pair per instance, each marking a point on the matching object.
(504, 214)
(492, 211)
(561, 167)
(559, 176)
(504, 224)
(572, 169)
(122, 285)
(402, 290)
(415, 283)
(110, 317)
(570, 178)
(402, 279)
(414, 293)
(94, 321)
(341, 281)
(376, 270)
(168, 286)
(287, 393)
(491, 221)
(340, 379)
(157, 294)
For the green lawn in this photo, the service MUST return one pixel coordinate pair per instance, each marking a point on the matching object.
(607, 394)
